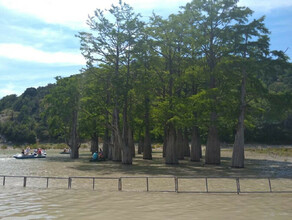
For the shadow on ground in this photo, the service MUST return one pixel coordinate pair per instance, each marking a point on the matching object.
(157, 167)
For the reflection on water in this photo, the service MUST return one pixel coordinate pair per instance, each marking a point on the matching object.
(81, 202)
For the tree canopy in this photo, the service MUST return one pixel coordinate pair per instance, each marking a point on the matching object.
(203, 75)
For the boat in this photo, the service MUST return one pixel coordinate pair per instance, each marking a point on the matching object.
(31, 156)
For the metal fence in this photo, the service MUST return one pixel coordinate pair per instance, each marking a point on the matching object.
(178, 184)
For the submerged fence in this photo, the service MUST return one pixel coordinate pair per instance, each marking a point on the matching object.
(178, 184)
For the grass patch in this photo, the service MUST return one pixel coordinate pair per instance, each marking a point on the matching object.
(280, 151)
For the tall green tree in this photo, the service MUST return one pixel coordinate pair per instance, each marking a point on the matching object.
(62, 107)
(111, 42)
(165, 46)
(251, 44)
(93, 106)
(214, 20)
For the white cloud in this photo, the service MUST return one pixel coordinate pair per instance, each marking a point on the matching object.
(68, 12)
(7, 90)
(27, 53)
(75, 13)
(48, 34)
(265, 5)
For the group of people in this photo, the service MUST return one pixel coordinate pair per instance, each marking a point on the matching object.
(98, 155)
(38, 151)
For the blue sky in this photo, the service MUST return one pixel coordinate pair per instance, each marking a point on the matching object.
(37, 41)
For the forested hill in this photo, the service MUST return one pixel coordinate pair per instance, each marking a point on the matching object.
(20, 118)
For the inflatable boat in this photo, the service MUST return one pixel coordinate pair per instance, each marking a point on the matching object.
(31, 156)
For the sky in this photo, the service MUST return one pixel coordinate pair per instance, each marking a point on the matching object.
(38, 43)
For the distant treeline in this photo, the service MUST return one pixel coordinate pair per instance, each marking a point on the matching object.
(20, 117)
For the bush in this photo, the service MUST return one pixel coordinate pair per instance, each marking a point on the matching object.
(3, 147)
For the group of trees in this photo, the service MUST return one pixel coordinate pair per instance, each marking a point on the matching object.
(202, 75)
(200, 71)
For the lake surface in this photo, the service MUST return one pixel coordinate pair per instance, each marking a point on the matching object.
(35, 201)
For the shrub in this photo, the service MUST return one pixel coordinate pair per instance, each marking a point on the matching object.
(3, 147)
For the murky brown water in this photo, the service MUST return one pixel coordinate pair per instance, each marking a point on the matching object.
(81, 202)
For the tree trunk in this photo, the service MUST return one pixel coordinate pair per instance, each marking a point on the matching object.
(94, 143)
(126, 155)
(126, 150)
(171, 152)
(238, 148)
(180, 145)
(186, 144)
(124, 141)
(164, 142)
(141, 142)
(213, 145)
(110, 147)
(106, 142)
(140, 145)
(106, 137)
(74, 143)
(196, 145)
(131, 142)
(147, 151)
(116, 150)
(74, 153)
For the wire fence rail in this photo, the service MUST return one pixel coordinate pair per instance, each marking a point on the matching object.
(195, 184)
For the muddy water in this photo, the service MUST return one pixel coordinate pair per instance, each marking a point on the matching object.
(81, 202)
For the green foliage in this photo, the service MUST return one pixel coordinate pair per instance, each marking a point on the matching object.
(59, 106)
(7, 102)
(20, 116)
(177, 69)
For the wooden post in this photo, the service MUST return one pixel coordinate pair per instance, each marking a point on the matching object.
(270, 185)
(147, 184)
(24, 181)
(207, 184)
(69, 182)
(47, 182)
(176, 184)
(120, 184)
(237, 185)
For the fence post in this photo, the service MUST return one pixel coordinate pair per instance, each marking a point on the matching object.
(147, 184)
(237, 185)
(47, 182)
(176, 184)
(3, 180)
(93, 183)
(24, 181)
(69, 182)
(206, 184)
(270, 185)
(120, 184)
